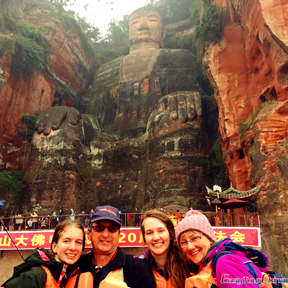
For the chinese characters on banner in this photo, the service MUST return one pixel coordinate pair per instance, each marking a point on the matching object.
(129, 237)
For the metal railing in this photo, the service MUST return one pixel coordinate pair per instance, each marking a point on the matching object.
(14, 223)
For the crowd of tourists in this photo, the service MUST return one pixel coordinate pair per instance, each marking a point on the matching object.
(36, 220)
(183, 256)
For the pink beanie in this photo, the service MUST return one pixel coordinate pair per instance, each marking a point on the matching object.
(195, 220)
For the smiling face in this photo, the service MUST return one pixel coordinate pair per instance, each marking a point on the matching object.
(157, 236)
(69, 246)
(104, 236)
(194, 245)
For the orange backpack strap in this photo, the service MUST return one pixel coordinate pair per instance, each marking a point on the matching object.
(50, 280)
(161, 282)
(84, 280)
(114, 279)
(204, 279)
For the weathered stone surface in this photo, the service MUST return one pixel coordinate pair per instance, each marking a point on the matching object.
(52, 175)
(127, 89)
(274, 13)
(67, 68)
(153, 145)
(249, 70)
(153, 91)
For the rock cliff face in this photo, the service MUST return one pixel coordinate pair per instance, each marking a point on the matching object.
(64, 78)
(248, 69)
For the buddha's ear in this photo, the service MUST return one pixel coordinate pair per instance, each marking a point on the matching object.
(164, 33)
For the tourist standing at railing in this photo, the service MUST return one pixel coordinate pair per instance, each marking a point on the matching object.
(57, 269)
(164, 257)
(19, 221)
(44, 222)
(82, 217)
(61, 215)
(217, 264)
(72, 214)
(34, 219)
(178, 215)
(53, 219)
(137, 217)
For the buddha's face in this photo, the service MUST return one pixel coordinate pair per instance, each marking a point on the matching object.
(145, 26)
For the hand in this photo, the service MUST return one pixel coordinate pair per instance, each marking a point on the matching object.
(55, 117)
(62, 124)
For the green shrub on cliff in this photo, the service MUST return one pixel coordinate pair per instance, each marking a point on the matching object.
(179, 42)
(31, 50)
(173, 11)
(210, 29)
(28, 56)
(11, 183)
(6, 44)
(29, 121)
(216, 168)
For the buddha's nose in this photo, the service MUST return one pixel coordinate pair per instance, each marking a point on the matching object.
(143, 26)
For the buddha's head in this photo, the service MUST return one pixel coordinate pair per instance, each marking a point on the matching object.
(145, 28)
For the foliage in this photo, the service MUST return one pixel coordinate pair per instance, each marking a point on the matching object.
(6, 44)
(116, 42)
(90, 31)
(247, 124)
(173, 11)
(179, 42)
(210, 29)
(28, 56)
(29, 121)
(82, 29)
(12, 182)
(31, 50)
(33, 33)
(216, 167)
(62, 3)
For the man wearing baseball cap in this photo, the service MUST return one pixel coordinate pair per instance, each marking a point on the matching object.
(108, 264)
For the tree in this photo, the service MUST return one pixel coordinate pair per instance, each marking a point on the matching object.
(91, 31)
(63, 3)
(173, 11)
(118, 32)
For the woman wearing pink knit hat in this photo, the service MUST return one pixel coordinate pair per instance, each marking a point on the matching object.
(217, 264)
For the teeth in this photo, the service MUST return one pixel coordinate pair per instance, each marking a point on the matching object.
(194, 253)
(157, 244)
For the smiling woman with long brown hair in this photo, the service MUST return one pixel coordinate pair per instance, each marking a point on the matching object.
(163, 256)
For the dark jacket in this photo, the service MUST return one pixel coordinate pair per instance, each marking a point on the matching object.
(136, 272)
(30, 274)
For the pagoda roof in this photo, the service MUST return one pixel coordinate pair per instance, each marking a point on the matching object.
(231, 192)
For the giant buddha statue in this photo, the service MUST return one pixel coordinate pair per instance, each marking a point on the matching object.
(152, 94)
(133, 84)
(147, 103)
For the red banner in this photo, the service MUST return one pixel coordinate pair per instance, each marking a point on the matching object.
(129, 237)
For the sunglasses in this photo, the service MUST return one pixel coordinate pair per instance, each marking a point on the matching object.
(100, 228)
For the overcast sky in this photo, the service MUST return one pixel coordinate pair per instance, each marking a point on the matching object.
(101, 12)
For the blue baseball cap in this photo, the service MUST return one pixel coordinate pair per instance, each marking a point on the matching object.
(106, 212)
